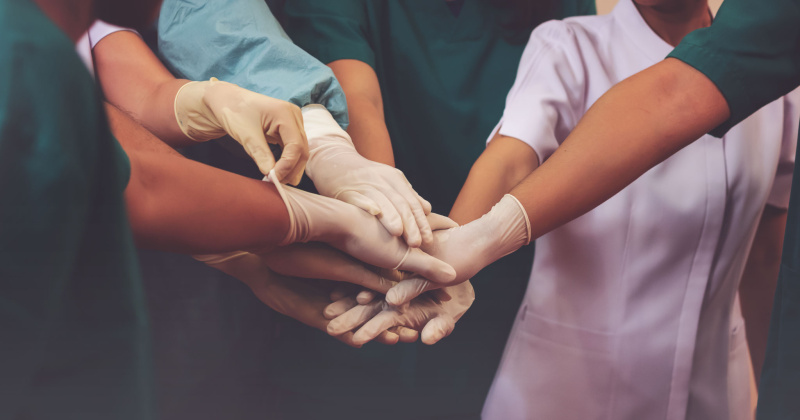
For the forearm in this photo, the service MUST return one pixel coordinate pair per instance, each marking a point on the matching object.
(134, 80)
(175, 204)
(365, 110)
(759, 280)
(633, 127)
(505, 162)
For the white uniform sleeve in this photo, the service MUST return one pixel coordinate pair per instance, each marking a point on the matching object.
(781, 187)
(546, 100)
(96, 32)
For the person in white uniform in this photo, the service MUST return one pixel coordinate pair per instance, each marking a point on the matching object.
(631, 309)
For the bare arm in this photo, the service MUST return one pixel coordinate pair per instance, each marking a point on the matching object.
(175, 204)
(505, 162)
(134, 80)
(365, 109)
(633, 127)
(757, 288)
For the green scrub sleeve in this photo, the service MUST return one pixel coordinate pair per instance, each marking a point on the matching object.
(331, 30)
(750, 52)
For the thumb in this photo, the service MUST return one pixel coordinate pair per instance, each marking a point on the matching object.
(417, 261)
(437, 329)
(406, 290)
(438, 222)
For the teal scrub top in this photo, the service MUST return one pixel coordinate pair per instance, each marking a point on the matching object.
(444, 79)
(74, 341)
(752, 53)
(241, 42)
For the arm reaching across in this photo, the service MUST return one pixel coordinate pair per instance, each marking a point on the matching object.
(182, 112)
(339, 171)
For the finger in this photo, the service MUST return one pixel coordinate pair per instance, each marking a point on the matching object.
(406, 290)
(418, 209)
(347, 338)
(365, 296)
(387, 337)
(389, 217)
(292, 136)
(353, 318)
(435, 330)
(291, 162)
(407, 335)
(426, 205)
(262, 156)
(417, 261)
(413, 219)
(339, 308)
(323, 262)
(439, 222)
(372, 328)
(361, 201)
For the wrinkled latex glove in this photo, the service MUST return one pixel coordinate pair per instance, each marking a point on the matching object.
(301, 299)
(209, 110)
(338, 171)
(434, 317)
(471, 247)
(345, 227)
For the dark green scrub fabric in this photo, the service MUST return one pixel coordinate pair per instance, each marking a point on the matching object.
(752, 53)
(444, 80)
(73, 329)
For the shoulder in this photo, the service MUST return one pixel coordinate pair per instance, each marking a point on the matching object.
(570, 32)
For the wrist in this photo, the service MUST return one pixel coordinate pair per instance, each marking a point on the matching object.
(508, 225)
(195, 119)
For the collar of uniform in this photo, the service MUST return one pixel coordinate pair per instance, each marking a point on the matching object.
(637, 29)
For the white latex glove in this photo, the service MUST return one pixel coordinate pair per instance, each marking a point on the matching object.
(338, 171)
(471, 247)
(301, 299)
(209, 110)
(345, 227)
(434, 317)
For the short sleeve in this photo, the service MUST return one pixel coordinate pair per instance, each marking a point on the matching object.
(782, 186)
(541, 106)
(751, 52)
(331, 30)
(90, 38)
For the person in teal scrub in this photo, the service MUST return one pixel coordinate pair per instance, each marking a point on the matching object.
(711, 81)
(425, 84)
(75, 341)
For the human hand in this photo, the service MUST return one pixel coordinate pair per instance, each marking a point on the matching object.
(340, 172)
(298, 298)
(210, 109)
(432, 314)
(470, 248)
(349, 229)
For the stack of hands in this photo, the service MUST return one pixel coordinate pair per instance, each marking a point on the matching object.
(365, 259)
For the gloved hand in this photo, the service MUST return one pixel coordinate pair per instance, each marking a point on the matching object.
(301, 299)
(338, 171)
(313, 261)
(211, 109)
(433, 316)
(471, 247)
(347, 228)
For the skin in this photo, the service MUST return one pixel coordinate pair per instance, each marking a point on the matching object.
(164, 185)
(135, 80)
(365, 109)
(644, 119)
